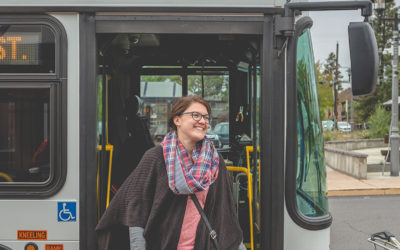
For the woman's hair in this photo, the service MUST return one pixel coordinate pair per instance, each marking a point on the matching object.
(181, 104)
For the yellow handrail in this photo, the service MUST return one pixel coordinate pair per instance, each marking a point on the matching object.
(109, 148)
(249, 195)
(6, 177)
(250, 149)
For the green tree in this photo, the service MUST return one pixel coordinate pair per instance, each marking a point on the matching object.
(216, 87)
(325, 96)
(330, 70)
(326, 76)
(158, 78)
(365, 106)
(379, 123)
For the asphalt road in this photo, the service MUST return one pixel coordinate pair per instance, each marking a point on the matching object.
(356, 218)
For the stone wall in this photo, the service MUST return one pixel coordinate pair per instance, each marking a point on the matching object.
(348, 145)
(351, 163)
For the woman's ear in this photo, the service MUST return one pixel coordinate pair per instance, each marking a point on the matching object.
(177, 121)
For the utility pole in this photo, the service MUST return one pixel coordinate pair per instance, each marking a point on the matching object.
(351, 102)
(335, 81)
(352, 112)
(394, 127)
(394, 135)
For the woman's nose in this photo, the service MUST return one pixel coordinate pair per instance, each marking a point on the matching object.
(202, 120)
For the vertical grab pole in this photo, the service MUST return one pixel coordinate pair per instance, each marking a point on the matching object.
(254, 136)
(103, 152)
(202, 80)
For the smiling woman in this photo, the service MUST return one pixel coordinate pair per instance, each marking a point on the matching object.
(173, 183)
(190, 125)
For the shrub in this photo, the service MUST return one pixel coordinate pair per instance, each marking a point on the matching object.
(327, 137)
(365, 135)
(379, 123)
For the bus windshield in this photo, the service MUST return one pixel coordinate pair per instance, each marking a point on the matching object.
(311, 175)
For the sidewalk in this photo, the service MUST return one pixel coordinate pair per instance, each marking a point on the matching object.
(340, 184)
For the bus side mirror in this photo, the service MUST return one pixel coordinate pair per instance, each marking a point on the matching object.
(364, 58)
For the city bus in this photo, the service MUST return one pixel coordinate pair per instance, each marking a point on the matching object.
(86, 88)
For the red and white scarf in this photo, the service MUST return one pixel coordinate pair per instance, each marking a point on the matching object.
(184, 175)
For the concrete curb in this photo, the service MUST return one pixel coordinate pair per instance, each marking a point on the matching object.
(364, 192)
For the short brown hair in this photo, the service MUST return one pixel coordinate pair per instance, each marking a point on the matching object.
(181, 104)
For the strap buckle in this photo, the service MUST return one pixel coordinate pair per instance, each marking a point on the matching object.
(213, 234)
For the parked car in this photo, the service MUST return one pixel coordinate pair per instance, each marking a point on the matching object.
(214, 138)
(327, 125)
(222, 130)
(344, 126)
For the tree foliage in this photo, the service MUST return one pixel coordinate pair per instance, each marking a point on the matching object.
(325, 94)
(365, 106)
(160, 78)
(326, 75)
(379, 123)
(216, 87)
(330, 70)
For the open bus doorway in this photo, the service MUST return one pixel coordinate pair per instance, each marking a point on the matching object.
(139, 77)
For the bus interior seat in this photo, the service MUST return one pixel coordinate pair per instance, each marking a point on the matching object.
(135, 145)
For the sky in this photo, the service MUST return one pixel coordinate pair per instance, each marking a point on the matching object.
(330, 28)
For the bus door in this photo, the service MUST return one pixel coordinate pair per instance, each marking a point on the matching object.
(143, 69)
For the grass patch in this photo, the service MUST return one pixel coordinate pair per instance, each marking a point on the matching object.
(337, 136)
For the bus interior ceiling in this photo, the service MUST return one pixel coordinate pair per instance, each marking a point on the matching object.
(146, 72)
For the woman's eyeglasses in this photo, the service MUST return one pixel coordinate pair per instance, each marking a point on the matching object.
(197, 116)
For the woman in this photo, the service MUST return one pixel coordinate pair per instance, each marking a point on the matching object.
(154, 202)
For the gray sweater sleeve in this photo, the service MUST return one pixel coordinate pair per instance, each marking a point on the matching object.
(136, 238)
(242, 247)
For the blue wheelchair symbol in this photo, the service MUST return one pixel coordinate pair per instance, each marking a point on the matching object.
(66, 211)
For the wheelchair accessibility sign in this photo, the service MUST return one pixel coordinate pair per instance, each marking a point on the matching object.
(66, 211)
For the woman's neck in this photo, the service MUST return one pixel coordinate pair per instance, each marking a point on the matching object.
(188, 144)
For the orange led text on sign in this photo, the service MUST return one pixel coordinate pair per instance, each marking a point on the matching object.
(32, 235)
(54, 247)
(9, 39)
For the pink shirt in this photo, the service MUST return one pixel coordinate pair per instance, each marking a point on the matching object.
(190, 222)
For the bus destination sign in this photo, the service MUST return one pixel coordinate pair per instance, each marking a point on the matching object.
(19, 48)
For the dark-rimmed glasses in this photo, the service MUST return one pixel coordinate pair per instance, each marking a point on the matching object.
(197, 116)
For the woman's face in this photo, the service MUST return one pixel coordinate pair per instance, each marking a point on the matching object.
(188, 129)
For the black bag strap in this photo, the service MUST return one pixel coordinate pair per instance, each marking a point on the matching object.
(213, 234)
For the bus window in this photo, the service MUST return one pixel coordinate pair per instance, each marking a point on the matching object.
(157, 93)
(311, 176)
(24, 135)
(216, 92)
(33, 121)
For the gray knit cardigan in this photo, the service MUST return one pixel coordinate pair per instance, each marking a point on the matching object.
(145, 200)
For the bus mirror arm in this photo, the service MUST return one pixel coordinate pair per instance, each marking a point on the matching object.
(285, 24)
(365, 6)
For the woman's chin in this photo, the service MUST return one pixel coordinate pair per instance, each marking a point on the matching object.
(199, 137)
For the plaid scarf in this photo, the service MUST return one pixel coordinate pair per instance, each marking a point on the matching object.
(185, 176)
